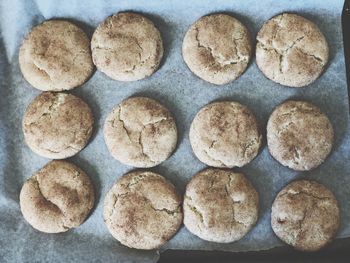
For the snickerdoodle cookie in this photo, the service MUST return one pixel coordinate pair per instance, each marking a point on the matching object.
(305, 215)
(56, 198)
(299, 135)
(217, 48)
(220, 205)
(142, 210)
(127, 47)
(225, 134)
(57, 125)
(291, 50)
(56, 56)
(140, 132)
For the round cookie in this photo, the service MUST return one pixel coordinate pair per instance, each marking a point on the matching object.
(56, 56)
(57, 125)
(299, 135)
(140, 132)
(291, 50)
(142, 210)
(220, 205)
(305, 215)
(217, 48)
(57, 198)
(225, 134)
(127, 47)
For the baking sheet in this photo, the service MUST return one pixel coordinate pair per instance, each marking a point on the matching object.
(184, 94)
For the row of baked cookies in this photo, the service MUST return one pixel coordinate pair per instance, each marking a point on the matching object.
(56, 55)
(141, 132)
(143, 210)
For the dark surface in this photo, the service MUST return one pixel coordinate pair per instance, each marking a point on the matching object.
(338, 251)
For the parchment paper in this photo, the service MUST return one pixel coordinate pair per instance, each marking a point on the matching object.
(184, 94)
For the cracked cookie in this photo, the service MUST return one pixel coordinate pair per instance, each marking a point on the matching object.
(56, 56)
(57, 125)
(217, 48)
(140, 132)
(225, 134)
(142, 210)
(220, 205)
(291, 50)
(305, 215)
(127, 47)
(299, 135)
(57, 198)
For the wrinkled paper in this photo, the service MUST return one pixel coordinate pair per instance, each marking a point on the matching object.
(184, 94)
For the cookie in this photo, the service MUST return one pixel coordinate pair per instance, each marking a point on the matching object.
(140, 132)
(220, 205)
(299, 135)
(291, 50)
(127, 47)
(142, 210)
(57, 125)
(217, 48)
(305, 215)
(57, 198)
(225, 134)
(56, 56)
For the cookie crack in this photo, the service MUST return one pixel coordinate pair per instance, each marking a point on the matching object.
(301, 222)
(271, 49)
(62, 150)
(320, 60)
(115, 201)
(282, 53)
(294, 43)
(230, 179)
(140, 137)
(139, 141)
(43, 54)
(307, 194)
(136, 179)
(237, 53)
(195, 210)
(142, 147)
(46, 198)
(235, 221)
(165, 210)
(299, 110)
(148, 201)
(134, 66)
(206, 151)
(215, 58)
(44, 71)
(169, 212)
(249, 145)
(123, 124)
(296, 155)
(61, 211)
(279, 22)
(212, 158)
